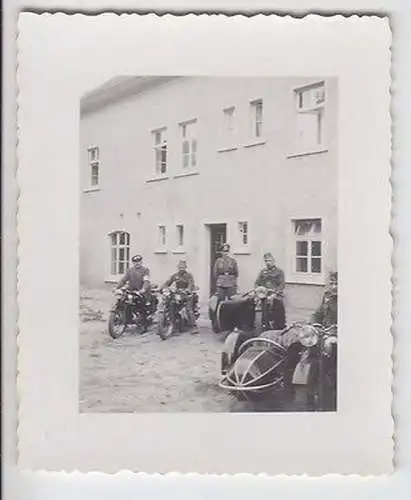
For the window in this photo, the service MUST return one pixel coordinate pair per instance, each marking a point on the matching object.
(256, 118)
(160, 151)
(179, 235)
(120, 252)
(228, 124)
(243, 233)
(189, 145)
(310, 103)
(94, 164)
(308, 246)
(162, 236)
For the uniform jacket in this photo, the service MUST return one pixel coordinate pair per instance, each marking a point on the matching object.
(327, 313)
(272, 278)
(226, 272)
(183, 279)
(135, 276)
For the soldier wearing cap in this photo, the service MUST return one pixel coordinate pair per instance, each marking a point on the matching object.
(226, 274)
(184, 281)
(137, 276)
(272, 277)
(327, 313)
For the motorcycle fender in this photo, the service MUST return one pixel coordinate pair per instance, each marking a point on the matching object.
(301, 373)
(230, 346)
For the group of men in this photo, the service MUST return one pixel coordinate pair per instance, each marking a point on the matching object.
(226, 274)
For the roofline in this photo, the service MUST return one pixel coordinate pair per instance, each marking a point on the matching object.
(102, 97)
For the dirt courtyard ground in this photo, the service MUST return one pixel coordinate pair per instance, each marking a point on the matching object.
(142, 373)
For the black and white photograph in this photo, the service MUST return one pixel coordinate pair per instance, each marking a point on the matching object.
(208, 248)
(204, 247)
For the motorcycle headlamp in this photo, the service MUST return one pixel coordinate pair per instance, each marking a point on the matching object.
(329, 342)
(308, 336)
(118, 292)
(261, 292)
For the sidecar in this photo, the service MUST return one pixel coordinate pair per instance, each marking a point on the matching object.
(226, 315)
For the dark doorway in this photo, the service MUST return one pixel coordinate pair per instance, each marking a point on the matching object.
(218, 235)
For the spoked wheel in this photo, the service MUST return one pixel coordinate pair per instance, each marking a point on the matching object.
(116, 324)
(140, 324)
(165, 326)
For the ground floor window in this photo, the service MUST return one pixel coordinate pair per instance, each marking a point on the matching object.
(120, 252)
(307, 254)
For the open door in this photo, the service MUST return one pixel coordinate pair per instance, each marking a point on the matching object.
(218, 236)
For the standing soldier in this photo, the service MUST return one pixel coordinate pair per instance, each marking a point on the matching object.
(226, 274)
(272, 277)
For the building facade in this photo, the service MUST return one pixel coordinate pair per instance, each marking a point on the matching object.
(174, 166)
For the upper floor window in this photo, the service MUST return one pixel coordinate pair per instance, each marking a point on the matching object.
(160, 151)
(162, 236)
(180, 235)
(94, 165)
(243, 233)
(308, 246)
(228, 124)
(189, 145)
(310, 104)
(120, 252)
(256, 108)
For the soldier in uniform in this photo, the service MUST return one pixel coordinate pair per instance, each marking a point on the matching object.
(226, 274)
(327, 313)
(137, 277)
(272, 277)
(184, 281)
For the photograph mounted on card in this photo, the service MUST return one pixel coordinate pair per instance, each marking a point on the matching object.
(199, 228)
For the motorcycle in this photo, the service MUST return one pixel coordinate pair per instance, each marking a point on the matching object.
(173, 315)
(251, 311)
(131, 309)
(296, 366)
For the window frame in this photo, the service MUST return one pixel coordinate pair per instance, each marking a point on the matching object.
(318, 109)
(115, 268)
(257, 125)
(93, 163)
(240, 247)
(159, 148)
(161, 239)
(192, 142)
(309, 277)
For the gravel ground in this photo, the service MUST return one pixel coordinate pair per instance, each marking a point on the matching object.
(142, 373)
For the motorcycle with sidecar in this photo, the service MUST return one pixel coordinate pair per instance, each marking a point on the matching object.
(295, 367)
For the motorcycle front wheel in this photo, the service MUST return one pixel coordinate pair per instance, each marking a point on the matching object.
(116, 324)
(165, 326)
(140, 324)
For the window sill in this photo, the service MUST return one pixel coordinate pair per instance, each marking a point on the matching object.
(185, 174)
(178, 251)
(308, 153)
(91, 189)
(254, 143)
(242, 251)
(225, 150)
(112, 279)
(305, 280)
(158, 178)
(160, 251)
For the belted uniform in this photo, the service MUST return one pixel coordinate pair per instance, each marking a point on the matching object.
(226, 273)
(182, 279)
(136, 278)
(273, 279)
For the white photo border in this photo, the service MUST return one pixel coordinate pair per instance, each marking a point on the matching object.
(358, 439)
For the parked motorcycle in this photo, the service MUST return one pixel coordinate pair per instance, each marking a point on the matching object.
(173, 315)
(251, 311)
(131, 308)
(297, 365)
